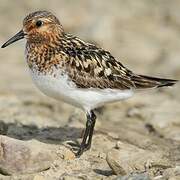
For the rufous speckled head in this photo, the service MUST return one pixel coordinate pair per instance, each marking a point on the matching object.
(38, 27)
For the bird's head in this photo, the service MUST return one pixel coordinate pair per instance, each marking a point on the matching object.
(38, 27)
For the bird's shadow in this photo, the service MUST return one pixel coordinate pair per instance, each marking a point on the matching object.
(50, 135)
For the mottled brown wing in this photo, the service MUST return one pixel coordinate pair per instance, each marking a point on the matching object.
(91, 67)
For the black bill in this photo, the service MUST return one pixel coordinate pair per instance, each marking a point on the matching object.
(18, 36)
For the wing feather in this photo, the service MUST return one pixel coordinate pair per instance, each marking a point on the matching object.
(92, 67)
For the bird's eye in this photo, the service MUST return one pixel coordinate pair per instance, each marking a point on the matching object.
(39, 23)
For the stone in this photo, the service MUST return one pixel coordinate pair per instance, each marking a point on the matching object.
(38, 177)
(129, 159)
(68, 154)
(141, 176)
(23, 157)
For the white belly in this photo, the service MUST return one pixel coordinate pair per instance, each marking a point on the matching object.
(61, 88)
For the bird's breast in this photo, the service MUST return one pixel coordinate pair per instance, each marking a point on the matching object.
(59, 87)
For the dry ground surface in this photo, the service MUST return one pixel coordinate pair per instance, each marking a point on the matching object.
(135, 139)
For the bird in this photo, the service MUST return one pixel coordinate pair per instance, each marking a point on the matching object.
(79, 73)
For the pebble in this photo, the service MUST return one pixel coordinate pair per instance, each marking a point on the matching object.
(141, 176)
(130, 159)
(68, 155)
(23, 157)
(38, 177)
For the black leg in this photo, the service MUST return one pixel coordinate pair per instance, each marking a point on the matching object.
(93, 119)
(87, 138)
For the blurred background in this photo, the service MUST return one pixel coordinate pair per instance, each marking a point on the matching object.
(143, 34)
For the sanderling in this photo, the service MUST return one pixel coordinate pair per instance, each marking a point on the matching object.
(79, 73)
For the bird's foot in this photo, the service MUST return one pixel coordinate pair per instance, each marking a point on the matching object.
(82, 149)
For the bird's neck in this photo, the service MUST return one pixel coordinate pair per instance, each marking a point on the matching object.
(40, 56)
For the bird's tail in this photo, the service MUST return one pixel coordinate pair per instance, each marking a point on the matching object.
(143, 82)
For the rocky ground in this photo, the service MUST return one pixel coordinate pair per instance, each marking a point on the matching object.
(135, 139)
